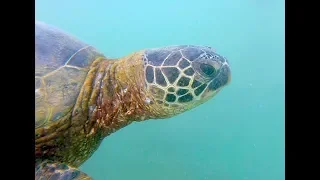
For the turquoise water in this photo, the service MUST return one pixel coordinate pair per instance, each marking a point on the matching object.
(238, 135)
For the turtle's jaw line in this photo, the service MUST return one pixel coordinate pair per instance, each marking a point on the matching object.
(208, 94)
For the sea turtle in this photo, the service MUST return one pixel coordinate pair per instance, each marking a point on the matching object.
(81, 96)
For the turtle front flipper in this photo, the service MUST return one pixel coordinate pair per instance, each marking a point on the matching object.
(59, 171)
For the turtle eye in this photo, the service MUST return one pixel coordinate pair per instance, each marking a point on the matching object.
(207, 69)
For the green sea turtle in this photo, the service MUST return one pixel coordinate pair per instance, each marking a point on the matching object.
(81, 96)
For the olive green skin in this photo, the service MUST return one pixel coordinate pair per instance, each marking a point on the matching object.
(81, 96)
(62, 63)
(61, 66)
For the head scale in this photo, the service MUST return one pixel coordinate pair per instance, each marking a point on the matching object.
(179, 78)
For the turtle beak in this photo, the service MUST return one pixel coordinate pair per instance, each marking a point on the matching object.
(229, 75)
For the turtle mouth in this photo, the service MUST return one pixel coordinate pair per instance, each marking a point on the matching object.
(209, 93)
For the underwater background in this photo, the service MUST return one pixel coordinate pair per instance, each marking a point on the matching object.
(237, 135)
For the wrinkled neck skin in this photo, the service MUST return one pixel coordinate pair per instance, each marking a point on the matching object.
(112, 96)
(118, 94)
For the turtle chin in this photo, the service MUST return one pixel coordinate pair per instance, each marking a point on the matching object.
(208, 94)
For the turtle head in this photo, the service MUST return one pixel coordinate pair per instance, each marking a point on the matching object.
(179, 78)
